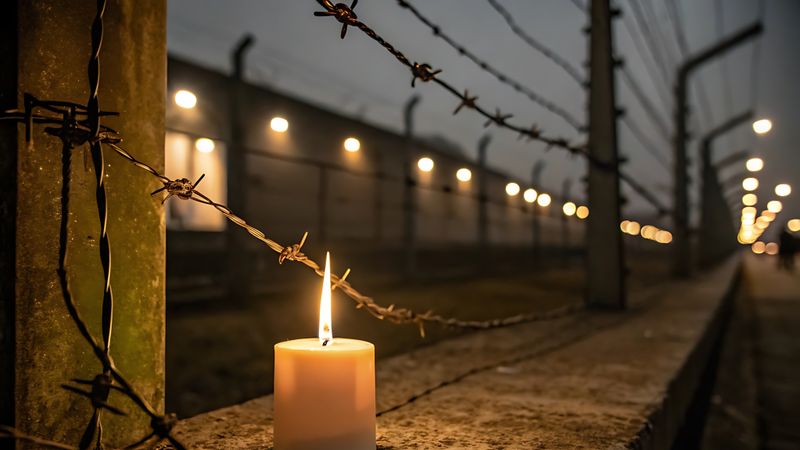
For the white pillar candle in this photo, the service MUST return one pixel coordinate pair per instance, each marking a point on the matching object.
(324, 389)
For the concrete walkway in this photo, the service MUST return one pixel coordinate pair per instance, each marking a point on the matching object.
(594, 380)
(775, 301)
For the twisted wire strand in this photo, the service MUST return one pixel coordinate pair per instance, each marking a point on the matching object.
(500, 76)
(95, 426)
(424, 72)
(294, 253)
(538, 46)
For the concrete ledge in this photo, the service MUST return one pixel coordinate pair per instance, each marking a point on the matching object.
(593, 380)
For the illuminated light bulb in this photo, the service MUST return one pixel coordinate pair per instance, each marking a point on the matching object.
(204, 145)
(663, 237)
(530, 195)
(750, 184)
(749, 199)
(512, 189)
(425, 164)
(279, 124)
(633, 228)
(783, 190)
(544, 200)
(185, 99)
(794, 225)
(582, 212)
(758, 247)
(624, 225)
(774, 206)
(463, 174)
(353, 145)
(771, 249)
(569, 209)
(762, 126)
(754, 164)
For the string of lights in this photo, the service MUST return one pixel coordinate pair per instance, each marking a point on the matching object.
(503, 78)
(425, 73)
(538, 46)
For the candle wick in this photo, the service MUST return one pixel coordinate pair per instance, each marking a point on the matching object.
(325, 342)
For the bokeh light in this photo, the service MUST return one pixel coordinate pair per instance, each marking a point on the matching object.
(463, 174)
(754, 164)
(758, 247)
(530, 195)
(783, 190)
(762, 126)
(749, 199)
(750, 184)
(582, 212)
(279, 124)
(771, 248)
(794, 225)
(353, 145)
(569, 209)
(204, 145)
(512, 189)
(544, 200)
(774, 206)
(425, 164)
(185, 99)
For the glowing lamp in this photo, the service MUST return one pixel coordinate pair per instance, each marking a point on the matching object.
(463, 174)
(185, 99)
(279, 124)
(425, 164)
(512, 189)
(204, 145)
(352, 145)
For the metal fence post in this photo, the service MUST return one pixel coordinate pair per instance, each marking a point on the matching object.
(536, 226)
(483, 199)
(236, 244)
(409, 193)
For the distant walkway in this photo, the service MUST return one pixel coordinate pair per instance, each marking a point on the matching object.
(775, 298)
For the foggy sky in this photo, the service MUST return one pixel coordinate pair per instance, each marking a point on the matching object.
(302, 55)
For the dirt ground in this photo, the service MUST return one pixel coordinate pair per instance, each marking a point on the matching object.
(221, 354)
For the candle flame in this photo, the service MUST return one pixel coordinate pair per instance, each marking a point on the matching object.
(325, 328)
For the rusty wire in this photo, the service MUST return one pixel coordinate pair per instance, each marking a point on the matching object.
(423, 71)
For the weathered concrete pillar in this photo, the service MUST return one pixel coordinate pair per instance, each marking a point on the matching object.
(604, 253)
(44, 51)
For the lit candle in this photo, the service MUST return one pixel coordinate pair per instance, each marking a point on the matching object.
(324, 388)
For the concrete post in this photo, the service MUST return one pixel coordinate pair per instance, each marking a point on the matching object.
(409, 192)
(682, 251)
(536, 226)
(44, 51)
(483, 202)
(237, 240)
(605, 257)
(715, 218)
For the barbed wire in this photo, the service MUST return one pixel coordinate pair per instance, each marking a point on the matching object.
(647, 105)
(645, 143)
(538, 46)
(675, 15)
(423, 71)
(500, 76)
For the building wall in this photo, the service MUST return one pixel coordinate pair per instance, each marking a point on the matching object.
(303, 179)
